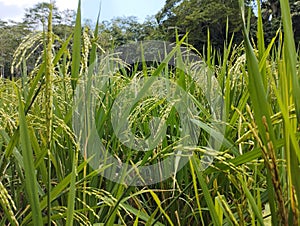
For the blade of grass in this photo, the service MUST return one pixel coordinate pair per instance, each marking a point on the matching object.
(56, 191)
(206, 193)
(257, 91)
(173, 201)
(72, 191)
(76, 56)
(227, 210)
(30, 177)
(219, 209)
(261, 42)
(258, 96)
(156, 199)
(291, 80)
(251, 200)
(76, 50)
(196, 192)
(290, 53)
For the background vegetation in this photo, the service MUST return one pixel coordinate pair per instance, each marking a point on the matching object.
(192, 16)
(254, 177)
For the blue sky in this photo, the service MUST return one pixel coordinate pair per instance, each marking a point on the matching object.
(14, 9)
(113, 8)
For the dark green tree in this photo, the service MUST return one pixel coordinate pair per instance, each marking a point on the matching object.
(271, 13)
(36, 17)
(11, 35)
(197, 16)
(150, 30)
(123, 30)
(119, 31)
(66, 23)
(295, 9)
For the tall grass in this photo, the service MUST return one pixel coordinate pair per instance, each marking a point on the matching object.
(252, 181)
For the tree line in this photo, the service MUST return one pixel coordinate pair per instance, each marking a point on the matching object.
(196, 17)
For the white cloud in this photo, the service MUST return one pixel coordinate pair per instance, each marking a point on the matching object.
(15, 9)
(61, 4)
(10, 12)
(67, 4)
(18, 3)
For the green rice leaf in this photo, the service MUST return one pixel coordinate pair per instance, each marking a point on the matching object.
(30, 176)
(206, 193)
(290, 52)
(251, 200)
(76, 50)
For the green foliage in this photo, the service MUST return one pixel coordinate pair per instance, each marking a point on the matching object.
(11, 35)
(253, 179)
(123, 30)
(196, 17)
(271, 15)
(36, 17)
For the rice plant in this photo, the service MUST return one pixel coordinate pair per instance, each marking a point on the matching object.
(247, 130)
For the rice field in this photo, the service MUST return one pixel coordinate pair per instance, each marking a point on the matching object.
(84, 141)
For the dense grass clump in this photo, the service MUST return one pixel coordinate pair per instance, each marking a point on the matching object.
(247, 118)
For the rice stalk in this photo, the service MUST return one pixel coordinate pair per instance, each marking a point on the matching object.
(49, 73)
(31, 180)
(76, 56)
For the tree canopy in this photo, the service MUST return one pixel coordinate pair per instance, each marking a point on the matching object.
(272, 14)
(221, 17)
(13, 33)
(197, 16)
